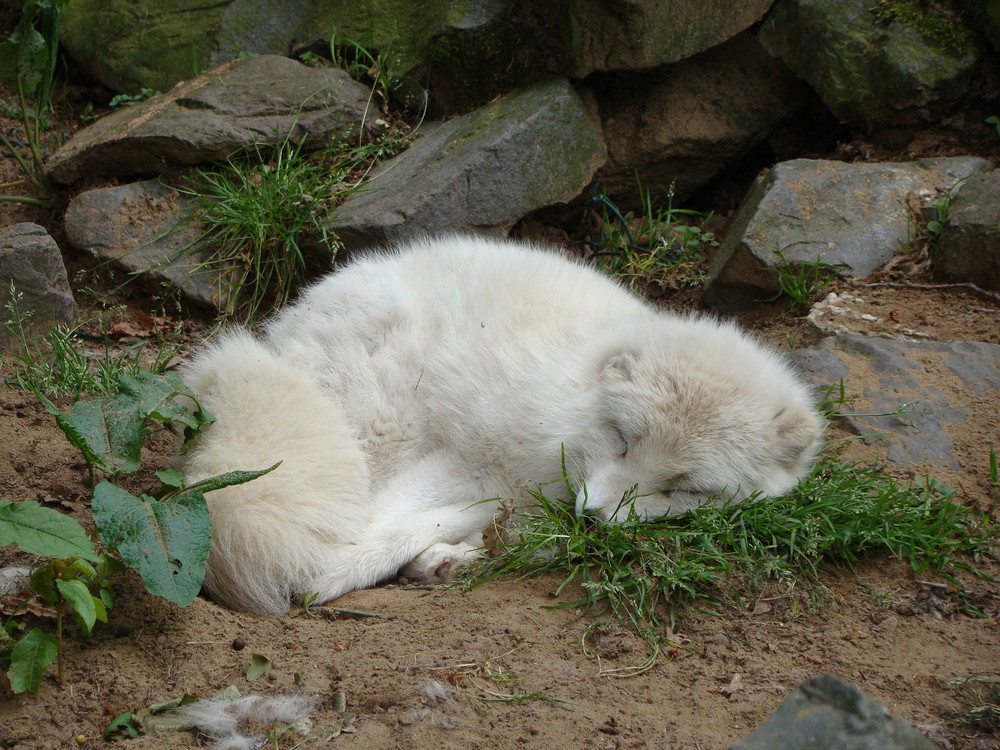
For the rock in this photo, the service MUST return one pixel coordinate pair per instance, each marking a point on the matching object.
(826, 713)
(479, 172)
(684, 124)
(938, 382)
(969, 247)
(985, 15)
(32, 267)
(247, 103)
(593, 35)
(465, 53)
(853, 216)
(141, 228)
(129, 45)
(868, 69)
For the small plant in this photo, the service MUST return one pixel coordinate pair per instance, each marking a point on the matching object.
(165, 537)
(28, 58)
(716, 555)
(73, 580)
(59, 364)
(661, 245)
(979, 695)
(362, 65)
(256, 211)
(800, 282)
(995, 122)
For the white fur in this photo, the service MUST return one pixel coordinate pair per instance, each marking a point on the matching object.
(406, 388)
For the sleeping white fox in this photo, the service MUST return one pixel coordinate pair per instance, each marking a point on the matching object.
(406, 388)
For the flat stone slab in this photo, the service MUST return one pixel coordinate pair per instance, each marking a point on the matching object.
(479, 172)
(248, 103)
(827, 713)
(852, 216)
(141, 227)
(916, 399)
(31, 263)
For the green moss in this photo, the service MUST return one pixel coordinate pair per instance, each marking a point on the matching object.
(936, 22)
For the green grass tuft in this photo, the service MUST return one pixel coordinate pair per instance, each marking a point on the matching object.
(638, 570)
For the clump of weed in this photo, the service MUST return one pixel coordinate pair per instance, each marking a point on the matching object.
(61, 363)
(640, 570)
(257, 211)
(800, 282)
(660, 245)
(979, 695)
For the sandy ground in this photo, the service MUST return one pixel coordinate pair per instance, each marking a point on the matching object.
(421, 668)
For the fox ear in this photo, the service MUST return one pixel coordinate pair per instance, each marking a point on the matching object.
(618, 367)
(797, 429)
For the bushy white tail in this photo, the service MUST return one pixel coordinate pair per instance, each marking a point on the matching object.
(273, 537)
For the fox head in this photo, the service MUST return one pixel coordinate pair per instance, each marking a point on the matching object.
(685, 420)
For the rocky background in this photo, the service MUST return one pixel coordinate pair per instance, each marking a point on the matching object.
(815, 131)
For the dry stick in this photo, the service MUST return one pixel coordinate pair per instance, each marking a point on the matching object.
(963, 285)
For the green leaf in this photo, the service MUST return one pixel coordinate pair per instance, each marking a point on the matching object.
(156, 396)
(166, 541)
(29, 659)
(258, 666)
(43, 531)
(121, 726)
(80, 601)
(107, 430)
(171, 478)
(227, 480)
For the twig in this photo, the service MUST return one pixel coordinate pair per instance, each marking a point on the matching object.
(958, 285)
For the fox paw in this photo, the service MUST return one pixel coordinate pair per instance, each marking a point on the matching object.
(439, 563)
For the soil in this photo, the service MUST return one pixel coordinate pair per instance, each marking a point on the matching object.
(420, 668)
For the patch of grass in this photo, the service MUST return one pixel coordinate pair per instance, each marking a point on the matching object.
(660, 245)
(979, 695)
(61, 363)
(256, 211)
(800, 282)
(638, 570)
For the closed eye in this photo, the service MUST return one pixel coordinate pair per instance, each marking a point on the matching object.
(623, 447)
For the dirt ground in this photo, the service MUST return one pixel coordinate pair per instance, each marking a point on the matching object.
(418, 666)
(421, 668)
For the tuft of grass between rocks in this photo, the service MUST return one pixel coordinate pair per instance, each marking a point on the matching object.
(642, 572)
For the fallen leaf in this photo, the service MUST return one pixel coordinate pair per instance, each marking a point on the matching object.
(496, 534)
(258, 666)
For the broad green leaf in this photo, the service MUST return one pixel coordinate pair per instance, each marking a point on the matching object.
(29, 659)
(166, 541)
(156, 396)
(110, 428)
(80, 602)
(258, 666)
(107, 430)
(43, 531)
(227, 480)
(171, 478)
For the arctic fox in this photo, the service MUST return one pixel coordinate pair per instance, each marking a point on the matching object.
(402, 391)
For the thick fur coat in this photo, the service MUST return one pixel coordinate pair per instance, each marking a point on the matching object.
(405, 389)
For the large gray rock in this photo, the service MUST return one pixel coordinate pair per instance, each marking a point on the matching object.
(826, 713)
(479, 172)
(142, 228)
(936, 383)
(247, 103)
(853, 216)
(465, 51)
(969, 247)
(32, 268)
(866, 69)
(682, 125)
